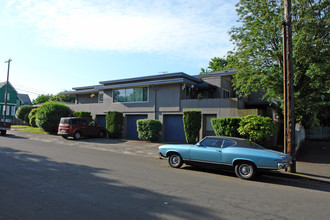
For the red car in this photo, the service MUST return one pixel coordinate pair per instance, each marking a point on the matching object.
(78, 127)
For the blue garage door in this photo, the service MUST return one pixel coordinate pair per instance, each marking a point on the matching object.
(131, 126)
(173, 129)
(100, 119)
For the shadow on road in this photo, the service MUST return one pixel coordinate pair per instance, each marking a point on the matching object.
(13, 136)
(271, 177)
(35, 187)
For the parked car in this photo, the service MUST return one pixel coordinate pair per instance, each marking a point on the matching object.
(4, 127)
(244, 156)
(78, 127)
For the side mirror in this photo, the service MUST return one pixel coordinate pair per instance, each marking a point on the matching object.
(198, 144)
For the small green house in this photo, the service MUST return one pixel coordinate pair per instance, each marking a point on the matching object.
(14, 100)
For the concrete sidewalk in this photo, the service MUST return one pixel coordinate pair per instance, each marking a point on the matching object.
(313, 161)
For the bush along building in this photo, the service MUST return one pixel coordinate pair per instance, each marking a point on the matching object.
(14, 100)
(165, 97)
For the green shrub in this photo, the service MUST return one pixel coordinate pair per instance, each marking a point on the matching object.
(226, 126)
(82, 114)
(32, 112)
(114, 124)
(23, 113)
(257, 128)
(49, 115)
(33, 121)
(148, 129)
(192, 124)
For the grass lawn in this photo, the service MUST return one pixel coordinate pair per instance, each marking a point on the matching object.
(26, 128)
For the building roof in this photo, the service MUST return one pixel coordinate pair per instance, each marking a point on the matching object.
(25, 98)
(159, 79)
(152, 78)
(218, 73)
(4, 83)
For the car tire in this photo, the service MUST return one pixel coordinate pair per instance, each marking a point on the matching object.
(65, 136)
(77, 135)
(3, 132)
(101, 134)
(175, 160)
(245, 170)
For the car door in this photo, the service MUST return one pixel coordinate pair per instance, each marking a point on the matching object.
(208, 150)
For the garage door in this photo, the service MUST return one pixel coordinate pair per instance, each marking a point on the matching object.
(131, 126)
(173, 129)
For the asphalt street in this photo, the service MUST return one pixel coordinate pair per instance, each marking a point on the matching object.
(47, 177)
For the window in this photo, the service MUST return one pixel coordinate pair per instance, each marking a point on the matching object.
(100, 98)
(211, 142)
(227, 143)
(13, 108)
(225, 94)
(208, 122)
(131, 95)
(8, 109)
(8, 97)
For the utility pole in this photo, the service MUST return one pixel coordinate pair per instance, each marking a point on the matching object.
(289, 117)
(6, 93)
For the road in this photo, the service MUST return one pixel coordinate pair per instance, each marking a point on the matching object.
(47, 177)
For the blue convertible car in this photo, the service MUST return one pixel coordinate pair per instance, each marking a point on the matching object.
(245, 156)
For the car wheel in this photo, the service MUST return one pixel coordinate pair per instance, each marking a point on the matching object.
(3, 133)
(175, 160)
(65, 136)
(77, 135)
(245, 170)
(101, 134)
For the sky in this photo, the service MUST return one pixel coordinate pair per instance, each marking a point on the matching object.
(56, 45)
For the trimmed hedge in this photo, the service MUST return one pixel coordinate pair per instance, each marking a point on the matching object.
(49, 115)
(82, 114)
(192, 124)
(148, 129)
(23, 113)
(32, 113)
(226, 126)
(114, 124)
(257, 128)
(33, 121)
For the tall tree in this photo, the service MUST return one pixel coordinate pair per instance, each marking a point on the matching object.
(259, 60)
(216, 64)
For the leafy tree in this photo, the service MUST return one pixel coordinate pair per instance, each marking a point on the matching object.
(42, 99)
(55, 98)
(64, 98)
(216, 64)
(259, 53)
